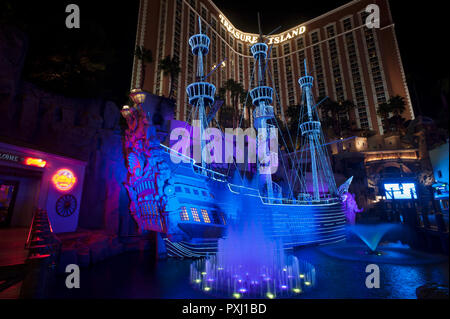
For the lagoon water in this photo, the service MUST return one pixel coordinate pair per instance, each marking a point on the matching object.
(138, 275)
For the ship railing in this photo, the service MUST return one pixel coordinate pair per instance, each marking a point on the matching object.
(197, 169)
(209, 173)
(253, 192)
(294, 202)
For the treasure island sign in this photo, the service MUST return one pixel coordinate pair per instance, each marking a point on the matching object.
(253, 38)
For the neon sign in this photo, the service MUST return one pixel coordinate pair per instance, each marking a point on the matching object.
(38, 162)
(253, 38)
(64, 179)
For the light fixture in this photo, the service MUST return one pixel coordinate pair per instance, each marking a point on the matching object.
(38, 162)
(125, 111)
(138, 96)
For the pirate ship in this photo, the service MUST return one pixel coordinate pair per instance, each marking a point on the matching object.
(190, 203)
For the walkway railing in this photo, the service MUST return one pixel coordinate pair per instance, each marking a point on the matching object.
(43, 247)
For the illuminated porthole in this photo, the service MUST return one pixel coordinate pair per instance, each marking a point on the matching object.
(66, 205)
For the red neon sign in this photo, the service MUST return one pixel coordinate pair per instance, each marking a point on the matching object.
(38, 162)
(64, 179)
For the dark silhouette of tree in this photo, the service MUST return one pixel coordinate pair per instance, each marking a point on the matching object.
(170, 66)
(145, 56)
(237, 92)
(384, 111)
(337, 115)
(396, 106)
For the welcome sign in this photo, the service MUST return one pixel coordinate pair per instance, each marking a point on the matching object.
(253, 38)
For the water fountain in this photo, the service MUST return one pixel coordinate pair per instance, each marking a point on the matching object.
(369, 249)
(371, 235)
(249, 265)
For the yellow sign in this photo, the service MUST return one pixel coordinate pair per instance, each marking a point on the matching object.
(64, 179)
(253, 38)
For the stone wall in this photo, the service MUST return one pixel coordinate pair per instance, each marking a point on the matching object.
(85, 129)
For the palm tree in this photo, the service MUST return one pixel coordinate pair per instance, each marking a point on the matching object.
(397, 104)
(333, 107)
(248, 106)
(346, 107)
(171, 67)
(384, 111)
(236, 90)
(145, 56)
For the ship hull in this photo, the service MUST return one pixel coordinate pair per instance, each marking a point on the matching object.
(294, 225)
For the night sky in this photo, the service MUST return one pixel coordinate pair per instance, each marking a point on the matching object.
(111, 26)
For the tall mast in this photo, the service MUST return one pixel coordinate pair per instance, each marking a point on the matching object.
(201, 94)
(322, 176)
(262, 100)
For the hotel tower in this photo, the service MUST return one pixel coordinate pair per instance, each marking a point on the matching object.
(348, 60)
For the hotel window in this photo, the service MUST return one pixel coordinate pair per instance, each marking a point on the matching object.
(347, 24)
(315, 37)
(206, 216)
(204, 13)
(162, 34)
(184, 214)
(241, 63)
(318, 67)
(252, 73)
(300, 43)
(276, 79)
(358, 89)
(231, 65)
(301, 62)
(176, 42)
(213, 24)
(190, 59)
(335, 65)
(289, 75)
(375, 63)
(195, 214)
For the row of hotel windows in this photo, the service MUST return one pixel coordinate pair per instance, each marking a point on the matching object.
(162, 32)
(184, 216)
(359, 97)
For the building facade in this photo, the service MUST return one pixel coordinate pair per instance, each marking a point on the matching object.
(348, 60)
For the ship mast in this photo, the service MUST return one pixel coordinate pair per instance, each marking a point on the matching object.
(262, 100)
(322, 175)
(200, 93)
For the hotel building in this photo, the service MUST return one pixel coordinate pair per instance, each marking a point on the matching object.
(348, 60)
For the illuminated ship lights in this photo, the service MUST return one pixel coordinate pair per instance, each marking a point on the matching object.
(287, 280)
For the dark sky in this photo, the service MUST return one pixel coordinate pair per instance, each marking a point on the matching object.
(421, 29)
